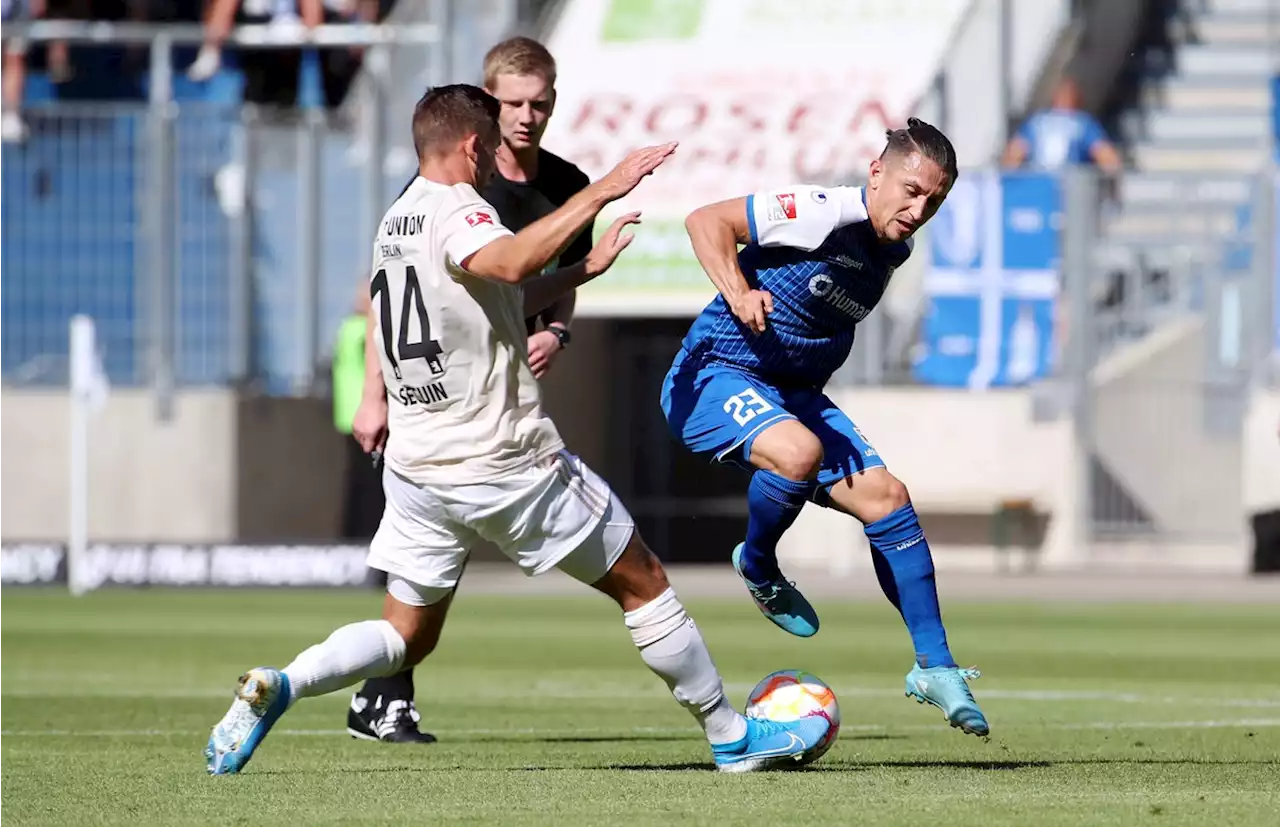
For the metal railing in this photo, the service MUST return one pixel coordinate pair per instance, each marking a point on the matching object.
(1159, 382)
(184, 183)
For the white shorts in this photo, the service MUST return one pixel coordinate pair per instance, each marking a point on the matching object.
(557, 514)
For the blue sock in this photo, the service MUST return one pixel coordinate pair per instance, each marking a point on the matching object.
(904, 568)
(773, 503)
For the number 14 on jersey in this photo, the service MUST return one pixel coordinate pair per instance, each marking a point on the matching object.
(425, 348)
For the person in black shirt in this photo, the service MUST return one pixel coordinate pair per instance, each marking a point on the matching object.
(530, 183)
(527, 187)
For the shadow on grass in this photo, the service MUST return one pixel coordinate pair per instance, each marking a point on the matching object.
(658, 736)
(845, 766)
(848, 766)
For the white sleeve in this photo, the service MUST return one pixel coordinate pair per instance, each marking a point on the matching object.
(802, 216)
(469, 225)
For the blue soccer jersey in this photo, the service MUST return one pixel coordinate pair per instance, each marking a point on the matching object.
(813, 249)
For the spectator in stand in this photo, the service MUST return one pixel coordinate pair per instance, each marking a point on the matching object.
(271, 75)
(12, 128)
(221, 15)
(1061, 136)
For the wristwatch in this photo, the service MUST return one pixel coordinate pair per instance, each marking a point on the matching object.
(562, 333)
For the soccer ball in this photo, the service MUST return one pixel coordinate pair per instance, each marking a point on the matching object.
(792, 694)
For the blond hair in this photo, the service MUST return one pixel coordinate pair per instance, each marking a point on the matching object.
(519, 56)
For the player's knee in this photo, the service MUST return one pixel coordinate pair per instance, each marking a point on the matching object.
(636, 578)
(799, 458)
(887, 497)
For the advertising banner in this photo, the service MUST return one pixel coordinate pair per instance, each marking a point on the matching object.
(188, 564)
(759, 93)
(992, 282)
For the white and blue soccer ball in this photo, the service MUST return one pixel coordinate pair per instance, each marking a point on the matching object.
(791, 694)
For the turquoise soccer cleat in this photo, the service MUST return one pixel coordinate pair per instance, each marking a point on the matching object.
(261, 698)
(770, 745)
(947, 688)
(781, 602)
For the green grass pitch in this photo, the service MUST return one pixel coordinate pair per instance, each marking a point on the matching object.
(1101, 715)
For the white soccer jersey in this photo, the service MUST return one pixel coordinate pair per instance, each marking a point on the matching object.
(464, 406)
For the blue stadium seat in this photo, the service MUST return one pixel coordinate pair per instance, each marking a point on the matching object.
(69, 242)
(73, 235)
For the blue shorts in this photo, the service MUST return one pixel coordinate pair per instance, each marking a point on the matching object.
(719, 410)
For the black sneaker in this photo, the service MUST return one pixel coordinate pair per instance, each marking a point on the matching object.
(396, 723)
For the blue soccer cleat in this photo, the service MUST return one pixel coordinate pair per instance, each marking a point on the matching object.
(261, 698)
(771, 744)
(781, 602)
(947, 688)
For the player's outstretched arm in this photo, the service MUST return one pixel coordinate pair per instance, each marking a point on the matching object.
(512, 259)
(715, 231)
(540, 293)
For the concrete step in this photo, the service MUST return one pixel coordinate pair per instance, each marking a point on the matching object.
(1213, 60)
(1191, 125)
(1156, 158)
(1249, 146)
(1177, 226)
(1139, 188)
(1118, 254)
(1114, 254)
(1222, 94)
(1230, 28)
(1260, 7)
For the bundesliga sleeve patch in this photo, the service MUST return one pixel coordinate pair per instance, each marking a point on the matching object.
(784, 207)
(479, 217)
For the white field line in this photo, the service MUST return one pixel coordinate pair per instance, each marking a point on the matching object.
(570, 690)
(1243, 723)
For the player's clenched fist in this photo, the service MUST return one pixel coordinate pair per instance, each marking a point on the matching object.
(752, 309)
(623, 178)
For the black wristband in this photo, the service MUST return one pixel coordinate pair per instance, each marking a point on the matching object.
(562, 333)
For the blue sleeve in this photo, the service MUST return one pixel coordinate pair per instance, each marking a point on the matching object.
(1024, 131)
(751, 218)
(1093, 132)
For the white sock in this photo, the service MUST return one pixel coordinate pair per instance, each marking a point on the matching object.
(672, 646)
(368, 649)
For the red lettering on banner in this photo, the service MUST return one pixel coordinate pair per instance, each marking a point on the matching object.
(611, 113)
(809, 139)
(868, 110)
(688, 113)
(745, 118)
(798, 113)
(815, 162)
(737, 156)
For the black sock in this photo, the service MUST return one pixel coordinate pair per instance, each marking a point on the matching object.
(397, 687)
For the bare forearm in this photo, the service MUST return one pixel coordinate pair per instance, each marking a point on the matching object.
(522, 256)
(1107, 157)
(1014, 154)
(554, 293)
(560, 312)
(715, 243)
(374, 388)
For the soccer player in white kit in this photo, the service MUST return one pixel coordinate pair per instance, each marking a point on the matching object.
(470, 454)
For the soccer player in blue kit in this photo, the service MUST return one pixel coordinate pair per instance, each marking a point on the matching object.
(747, 384)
